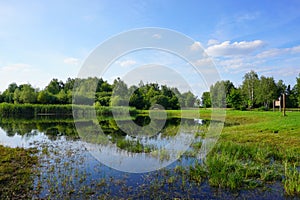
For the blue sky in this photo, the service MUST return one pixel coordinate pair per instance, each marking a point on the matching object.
(41, 40)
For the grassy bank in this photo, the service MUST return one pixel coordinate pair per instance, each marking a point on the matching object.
(16, 172)
(255, 148)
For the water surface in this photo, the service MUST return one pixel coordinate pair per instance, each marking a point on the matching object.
(68, 168)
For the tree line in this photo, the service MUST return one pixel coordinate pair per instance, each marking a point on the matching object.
(255, 92)
(142, 96)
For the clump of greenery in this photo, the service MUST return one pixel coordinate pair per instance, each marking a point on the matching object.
(292, 180)
(235, 166)
(16, 168)
(134, 146)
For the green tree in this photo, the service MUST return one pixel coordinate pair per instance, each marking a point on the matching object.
(44, 97)
(137, 100)
(206, 100)
(249, 88)
(162, 100)
(28, 94)
(12, 87)
(296, 90)
(62, 97)
(266, 91)
(281, 87)
(218, 94)
(69, 85)
(8, 94)
(120, 93)
(17, 94)
(235, 99)
(54, 86)
(1, 98)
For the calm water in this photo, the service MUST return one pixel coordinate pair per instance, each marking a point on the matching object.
(70, 167)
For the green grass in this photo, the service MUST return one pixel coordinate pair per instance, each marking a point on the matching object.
(16, 168)
(292, 180)
(254, 148)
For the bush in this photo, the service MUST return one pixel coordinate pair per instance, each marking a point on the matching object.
(243, 108)
(263, 108)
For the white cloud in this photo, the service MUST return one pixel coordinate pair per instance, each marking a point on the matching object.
(204, 62)
(17, 67)
(212, 42)
(234, 63)
(231, 49)
(247, 17)
(157, 36)
(195, 46)
(278, 52)
(270, 53)
(295, 49)
(126, 63)
(71, 61)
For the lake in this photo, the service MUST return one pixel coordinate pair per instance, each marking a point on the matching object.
(70, 164)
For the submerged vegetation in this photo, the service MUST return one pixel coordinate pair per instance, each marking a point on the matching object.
(17, 173)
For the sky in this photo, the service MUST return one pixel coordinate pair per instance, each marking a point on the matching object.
(41, 40)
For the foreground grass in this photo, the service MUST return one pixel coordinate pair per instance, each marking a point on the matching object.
(255, 148)
(16, 167)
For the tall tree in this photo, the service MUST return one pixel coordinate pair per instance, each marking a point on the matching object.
(44, 97)
(190, 99)
(28, 94)
(17, 94)
(206, 100)
(296, 90)
(8, 94)
(235, 99)
(249, 87)
(281, 88)
(266, 91)
(54, 86)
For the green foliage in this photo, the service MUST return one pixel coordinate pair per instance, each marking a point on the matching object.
(249, 88)
(292, 180)
(296, 90)
(133, 146)
(54, 86)
(253, 93)
(27, 94)
(32, 110)
(267, 91)
(206, 100)
(16, 167)
(235, 99)
(218, 94)
(45, 97)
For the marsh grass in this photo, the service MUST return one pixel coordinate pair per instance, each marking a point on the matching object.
(134, 146)
(237, 166)
(292, 180)
(254, 149)
(16, 172)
